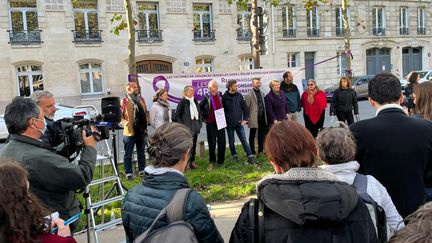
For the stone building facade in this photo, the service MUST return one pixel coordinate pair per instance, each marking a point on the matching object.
(67, 47)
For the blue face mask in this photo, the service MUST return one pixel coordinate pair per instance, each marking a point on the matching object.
(43, 130)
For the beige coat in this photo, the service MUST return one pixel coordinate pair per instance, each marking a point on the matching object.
(252, 104)
(128, 116)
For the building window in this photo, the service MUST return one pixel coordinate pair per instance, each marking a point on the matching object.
(91, 78)
(378, 21)
(24, 23)
(403, 21)
(149, 27)
(289, 21)
(341, 63)
(293, 60)
(421, 30)
(202, 22)
(312, 22)
(243, 20)
(204, 65)
(86, 22)
(246, 63)
(340, 25)
(29, 79)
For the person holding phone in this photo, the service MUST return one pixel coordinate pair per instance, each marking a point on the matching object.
(27, 222)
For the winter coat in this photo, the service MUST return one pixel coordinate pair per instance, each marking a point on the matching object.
(53, 179)
(236, 109)
(315, 110)
(128, 116)
(276, 107)
(308, 205)
(292, 96)
(205, 106)
(144, 202)
(346, 172)
(157, 113)
(183, 115)
(252, 104)
(344, 100)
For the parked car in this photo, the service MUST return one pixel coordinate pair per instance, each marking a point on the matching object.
(359, 84)
(62, 111)
(425, 75)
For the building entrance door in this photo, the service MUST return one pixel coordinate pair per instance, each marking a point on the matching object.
(378, 61)
(309, 65)
(153, 66)
(411, 60)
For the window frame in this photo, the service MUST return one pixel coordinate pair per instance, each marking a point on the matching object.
(243, 17)
(201, 13)
(340, 26)
(421, 17)
(204, 65)
(246, 63)
(312, 31)
(290, 61)
(30, 76)
(379, 26)
(289, 30)
(91, 70)
(404, 20)
(341, 63)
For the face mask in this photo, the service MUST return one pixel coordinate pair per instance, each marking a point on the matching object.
(43, 130)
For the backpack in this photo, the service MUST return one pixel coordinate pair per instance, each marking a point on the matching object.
(177, 230)
(376, 212)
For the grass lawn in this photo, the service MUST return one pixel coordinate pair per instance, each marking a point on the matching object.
(221, 183)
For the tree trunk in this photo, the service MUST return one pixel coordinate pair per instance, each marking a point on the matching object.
(131, 39)
(348, 71)
(255, 35)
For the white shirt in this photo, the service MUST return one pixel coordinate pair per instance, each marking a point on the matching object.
(388, 106)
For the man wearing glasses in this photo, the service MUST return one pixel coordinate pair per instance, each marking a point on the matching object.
(53, 179)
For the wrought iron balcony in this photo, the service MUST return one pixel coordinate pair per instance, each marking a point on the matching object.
(87, 36)
(421, 30)
(339, 31)
(204, 35)
(149, 36)
(379, 31)
(313, 32)
(404, 30)
(244, 35)
(24, 37)
(290, 32)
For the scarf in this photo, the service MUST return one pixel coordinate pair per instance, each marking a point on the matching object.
(161, 170)
(165, 105)
(134, 100)
(192, 108)
(311, 95)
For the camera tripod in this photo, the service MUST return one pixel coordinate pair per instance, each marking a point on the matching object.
(92, 208)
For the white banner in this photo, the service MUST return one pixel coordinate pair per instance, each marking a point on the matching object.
(175, 83)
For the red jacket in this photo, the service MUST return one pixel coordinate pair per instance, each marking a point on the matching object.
(52, 238)
(314, 110)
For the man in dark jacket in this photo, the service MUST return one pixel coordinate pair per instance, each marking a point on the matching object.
(237, 114)
(292, 94)
(53, 179)
(257, 115)
(394, 148)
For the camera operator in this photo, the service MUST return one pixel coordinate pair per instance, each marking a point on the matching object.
(52, 178)
(46, 102)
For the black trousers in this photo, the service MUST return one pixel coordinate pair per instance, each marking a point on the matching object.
(216, 136)
(345, 116)
(262, 131)
(193, 149)
(314, 128)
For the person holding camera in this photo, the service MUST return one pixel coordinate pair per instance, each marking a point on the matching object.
(53, 179)
(45, 100)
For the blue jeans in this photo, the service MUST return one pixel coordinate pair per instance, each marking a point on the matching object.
(242, 136)
(129, 142)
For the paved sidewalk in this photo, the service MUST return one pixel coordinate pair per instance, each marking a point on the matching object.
(226, 217)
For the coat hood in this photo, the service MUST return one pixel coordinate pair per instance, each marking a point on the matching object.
(305, 195)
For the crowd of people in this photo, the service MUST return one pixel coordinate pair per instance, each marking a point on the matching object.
(384, 162)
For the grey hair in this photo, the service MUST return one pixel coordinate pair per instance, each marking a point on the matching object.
(186, 88)
(336, 144)
(37, 95)
(212, 82)
(169, 144)
(18, 113)
(272, 83)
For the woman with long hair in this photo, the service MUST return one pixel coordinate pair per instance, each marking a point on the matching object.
(422, 98)
(314, 103)
(300, 202)
(160, 113)
(188, 113)
(22, 216)
(169, 149)
(344, 101)
(413, 81)
(275, 103)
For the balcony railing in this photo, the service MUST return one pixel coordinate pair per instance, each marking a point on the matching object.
(204, 35)
(379, 31)
(24, 37)
(244, 35)
(290, 32)
(87, 36)
(404, 30)
(149, 36)
(313, 32)
(421, 30)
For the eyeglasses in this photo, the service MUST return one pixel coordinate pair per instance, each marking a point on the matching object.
(311, 84)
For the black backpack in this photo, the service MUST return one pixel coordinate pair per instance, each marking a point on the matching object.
(377, 213)
(177, 230)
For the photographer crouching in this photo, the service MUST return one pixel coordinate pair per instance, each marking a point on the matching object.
(53, 179)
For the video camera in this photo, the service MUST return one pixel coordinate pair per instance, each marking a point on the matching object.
(69, 130)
